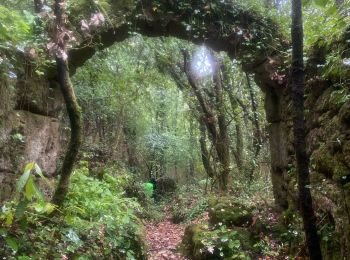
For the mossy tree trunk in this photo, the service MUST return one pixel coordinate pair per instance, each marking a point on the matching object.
(223, 142)
(299, 129)
(237, 149)
(196, 111)
(215, 122)
(73, 109)
(204, 151)
(130, 144)
(257, 129)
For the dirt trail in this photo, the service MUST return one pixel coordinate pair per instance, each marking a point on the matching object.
(163, 238)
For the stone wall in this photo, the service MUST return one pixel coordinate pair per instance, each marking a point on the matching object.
(327, 106)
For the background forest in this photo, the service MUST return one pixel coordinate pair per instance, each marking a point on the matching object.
(174, 129)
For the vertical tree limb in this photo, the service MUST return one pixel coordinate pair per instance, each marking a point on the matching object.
(215, 122)
(256, 123)
(73, 109)
(204, 151)
(299, 129)
(223, 143)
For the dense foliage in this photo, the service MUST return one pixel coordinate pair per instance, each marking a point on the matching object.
(97, 221)
(184, 108)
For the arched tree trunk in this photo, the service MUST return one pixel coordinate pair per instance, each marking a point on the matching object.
(73, 109)
(299, 129)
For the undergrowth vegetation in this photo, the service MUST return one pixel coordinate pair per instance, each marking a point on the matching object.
(96, 222)
(181, 121)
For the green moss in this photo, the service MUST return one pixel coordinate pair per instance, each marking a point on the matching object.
(329, 164)
(201, 242)
(228, 212)
(329, 243)
(190, 242)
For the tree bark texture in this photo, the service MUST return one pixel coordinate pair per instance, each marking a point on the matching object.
(73, 110)
(223, 143)
(257, 130)
(215, 122)
(299, 129)
(204, 151)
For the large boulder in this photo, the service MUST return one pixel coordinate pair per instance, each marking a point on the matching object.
(26, 137)
(201, 242)
(226, 211)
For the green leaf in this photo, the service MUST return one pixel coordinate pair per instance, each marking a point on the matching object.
(3, 232)
(25, 176)
(38, 193)
(11, 243)
(23, 257)
(321, 3)
(9, 218)
(29, 166)
(44, 207)
(29, 188)
(331, 10)
(21, 207)
(49, 208)
(38, 171)
(38, 207)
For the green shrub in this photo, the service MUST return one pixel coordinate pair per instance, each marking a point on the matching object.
(96, 222)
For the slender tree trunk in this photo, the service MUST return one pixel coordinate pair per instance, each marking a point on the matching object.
(73, 110)
(239, 145)
(237, 151)
(192, 157)
(223, 143)
(130, 138)
(302, 159)
(235, 102)
(204, 151)
(196, 111)
(216, 124)
(256, 123)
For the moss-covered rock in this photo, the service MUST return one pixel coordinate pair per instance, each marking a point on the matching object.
(190, 242)
(203, 243)
(229, 212)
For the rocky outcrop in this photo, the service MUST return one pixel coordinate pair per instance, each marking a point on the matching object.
(229, 235)
(328, 138)
(228, 212)
(39, 96)
(29, 129)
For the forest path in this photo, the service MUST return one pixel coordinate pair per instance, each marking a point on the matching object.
(163, 238)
